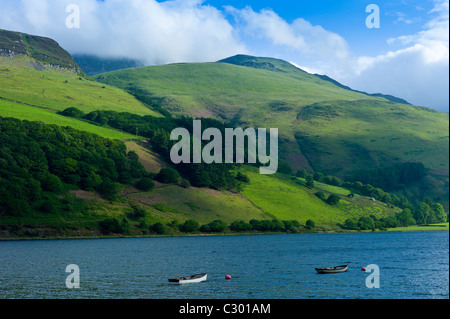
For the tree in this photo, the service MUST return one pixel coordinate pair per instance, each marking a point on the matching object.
(190, 226)
(291, 225)
(240, 225)
(321, 195)
(91, 182)
(390, 222)
(72, 112)
(405, 218)
(309, 181)
(242, 177)
(52, 183)
(366, 223)
(421, 213)
(158, 228)
(301, 173)
(168, 176)
(109, 189)
(333, 199)
(310, 224)
(110, 225)
(216, 226)
(319, 177)
(351, 223)
(440, 213)
(145, 184)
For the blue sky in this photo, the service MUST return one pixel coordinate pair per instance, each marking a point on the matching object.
(407, 56)
(347, 18)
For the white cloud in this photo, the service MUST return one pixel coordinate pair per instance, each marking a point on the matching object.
(190, 31)
(300, 36)
(171, 31)
(418, 72)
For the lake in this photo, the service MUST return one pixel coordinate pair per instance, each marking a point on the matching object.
(411, 265)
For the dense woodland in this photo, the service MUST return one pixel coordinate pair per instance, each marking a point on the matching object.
(157, 130)
(40, 163)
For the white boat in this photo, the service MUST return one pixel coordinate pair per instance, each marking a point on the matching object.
(190, 279)
(332, 270)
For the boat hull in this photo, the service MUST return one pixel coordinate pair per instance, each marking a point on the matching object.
(332, 270)
(190, 279)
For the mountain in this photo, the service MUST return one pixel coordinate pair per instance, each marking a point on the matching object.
(323, 126)
(283, 66)
(43, 51)
(83, 158)
(39, 79)
(91, 64)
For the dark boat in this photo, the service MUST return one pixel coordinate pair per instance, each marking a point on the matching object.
(190, 279)
(332, 270)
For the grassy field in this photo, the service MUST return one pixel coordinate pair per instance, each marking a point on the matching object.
(340, 131)
(285, 199)
(223, 90)
(434, 227)
(203, 205)
(322, 127)
(37, 95)
(30, 113)
(60, 89)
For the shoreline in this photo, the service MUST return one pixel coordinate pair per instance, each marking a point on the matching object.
(390, 230)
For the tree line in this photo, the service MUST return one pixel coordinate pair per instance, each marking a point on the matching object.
(420, 215)
(40, 163)
(357, 187)
(157, 132)
(114, 226)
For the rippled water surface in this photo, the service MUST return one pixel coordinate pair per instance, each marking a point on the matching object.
(412, 265)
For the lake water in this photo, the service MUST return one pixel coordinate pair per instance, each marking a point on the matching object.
(411, 264)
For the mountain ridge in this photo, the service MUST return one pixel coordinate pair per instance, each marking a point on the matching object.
(265, 63)
(324, 126)
(273, 94)
(45, 51)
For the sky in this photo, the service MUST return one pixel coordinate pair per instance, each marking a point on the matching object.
(406, 56)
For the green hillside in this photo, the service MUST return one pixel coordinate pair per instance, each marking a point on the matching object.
(63, 175)
(323, 126)
(38, 79)
(43, 51)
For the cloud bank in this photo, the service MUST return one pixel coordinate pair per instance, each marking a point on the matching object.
(153, 32)
(191, 31)
(418, 71)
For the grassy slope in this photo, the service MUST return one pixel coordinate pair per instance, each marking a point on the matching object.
(225, 90)
(30, 94)
(287, 200)
(322, 127)
(45, 50)
(58, 90)
(265, 197)
(30, 113)
(36, 95)
(333, 120)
